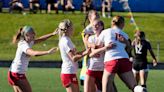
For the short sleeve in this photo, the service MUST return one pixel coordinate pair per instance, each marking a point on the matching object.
(24, 46)
(90, 39)
(69, 46)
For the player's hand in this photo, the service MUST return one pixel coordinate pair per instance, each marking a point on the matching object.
(87, 51)
(154, 62)
(55, 31)
(111, 45)
(52, 50)
(131, 59)
(122, 39)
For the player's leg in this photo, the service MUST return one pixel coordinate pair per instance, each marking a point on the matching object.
(16, 88)
(24, 85)
(89, 84)
(125, 73)
(103, 9)
(128, 79)
(49, 7)
(72, 88)
(107, 82)
(136, 75)
(109, 8)
(143, 77)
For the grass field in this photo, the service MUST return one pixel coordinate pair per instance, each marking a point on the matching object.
(48, 80)
(151, 23)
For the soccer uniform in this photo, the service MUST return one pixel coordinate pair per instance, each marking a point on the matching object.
(20, 63)
(116, 59)
(69, 68)
(96, 64)
(140, 58)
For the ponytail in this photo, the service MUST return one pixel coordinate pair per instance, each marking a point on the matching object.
(17, 37)
(117, 20)
(21, 34)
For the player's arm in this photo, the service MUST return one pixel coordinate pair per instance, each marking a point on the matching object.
(152, 54)
(32, 52)
(85, 40)
(76, 56)
(125, 41)
(129, 49)
(45, 37)
(101, 49)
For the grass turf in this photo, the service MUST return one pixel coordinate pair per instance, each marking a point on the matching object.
(48, 80)
(151, 23)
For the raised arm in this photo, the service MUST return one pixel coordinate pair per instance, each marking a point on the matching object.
(32, 52)
(45, 37)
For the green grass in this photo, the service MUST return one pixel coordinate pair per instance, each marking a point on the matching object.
(48, 80)
(151, 23)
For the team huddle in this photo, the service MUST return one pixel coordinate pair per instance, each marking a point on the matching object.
(107, 53)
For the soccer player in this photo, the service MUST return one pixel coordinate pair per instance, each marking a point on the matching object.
(69, 56)
(93, 79)
(140, 64)
(25, 39)
(116, 59)
(88, 31)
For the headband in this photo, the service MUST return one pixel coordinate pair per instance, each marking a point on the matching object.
(26, 29)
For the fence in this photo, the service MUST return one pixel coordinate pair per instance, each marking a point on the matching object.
(136, 5)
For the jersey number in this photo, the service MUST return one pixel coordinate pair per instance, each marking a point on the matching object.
(138, 49)
(117, 36)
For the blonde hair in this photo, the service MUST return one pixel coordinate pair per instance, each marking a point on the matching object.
(21, 33)
(63, 26)
(88, 15)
